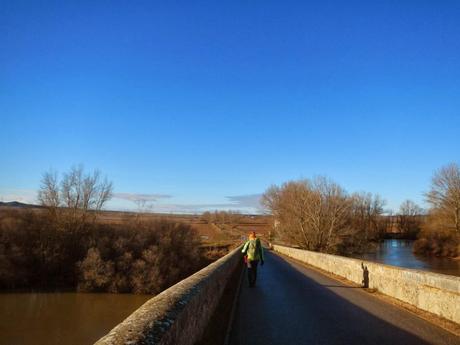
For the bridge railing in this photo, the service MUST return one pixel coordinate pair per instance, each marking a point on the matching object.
(180, 314)
(436, 293)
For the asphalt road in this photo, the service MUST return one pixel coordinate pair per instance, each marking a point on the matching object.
(292, 305)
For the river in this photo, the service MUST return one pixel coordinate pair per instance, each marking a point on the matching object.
(399, 253)
(62, 318)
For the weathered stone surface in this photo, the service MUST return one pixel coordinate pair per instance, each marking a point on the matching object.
(179, 314)
(433, 292)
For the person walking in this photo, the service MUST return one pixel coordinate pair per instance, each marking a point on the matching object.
(254, 253)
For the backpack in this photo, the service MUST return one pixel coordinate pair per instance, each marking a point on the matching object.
(253, 249)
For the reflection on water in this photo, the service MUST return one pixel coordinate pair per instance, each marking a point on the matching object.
(62, 318)
(399, 253)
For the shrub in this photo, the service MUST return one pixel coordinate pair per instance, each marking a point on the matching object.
(96, 274)
(135, 256)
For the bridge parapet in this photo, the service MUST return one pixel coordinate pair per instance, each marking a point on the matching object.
(180, 314)
(436, 293)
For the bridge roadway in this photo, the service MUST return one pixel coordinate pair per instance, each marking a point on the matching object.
(292, 305)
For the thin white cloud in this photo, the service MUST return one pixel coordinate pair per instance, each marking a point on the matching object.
(140, 197)
(244, 203)
(152, 202)
(249, 200)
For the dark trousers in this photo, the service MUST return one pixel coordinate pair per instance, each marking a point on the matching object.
(252, 272)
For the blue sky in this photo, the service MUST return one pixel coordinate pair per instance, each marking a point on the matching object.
(203, 105)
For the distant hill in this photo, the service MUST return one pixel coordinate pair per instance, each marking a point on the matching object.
(18, 204)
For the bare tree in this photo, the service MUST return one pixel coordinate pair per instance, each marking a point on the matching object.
(76, 194)
(286, 205)
(409, 219)
(310, 213)
(48, 195)
(366, 217)
(222, 217)
(319, 215)
(444, 197)
(207, 217)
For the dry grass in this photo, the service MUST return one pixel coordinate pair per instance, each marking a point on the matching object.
(209, 232)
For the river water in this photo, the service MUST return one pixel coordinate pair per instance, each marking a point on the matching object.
(399, 253)
(62, 318)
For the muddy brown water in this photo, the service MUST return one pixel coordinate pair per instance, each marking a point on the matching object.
(62, 318)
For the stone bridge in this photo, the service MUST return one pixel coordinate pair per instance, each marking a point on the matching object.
(301, 297)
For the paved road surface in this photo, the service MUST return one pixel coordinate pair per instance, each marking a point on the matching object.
(295, 305)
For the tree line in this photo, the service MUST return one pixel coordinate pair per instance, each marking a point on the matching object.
(63, 246)
(318, 214)
(222, 217)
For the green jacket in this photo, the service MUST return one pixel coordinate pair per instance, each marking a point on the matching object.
(253, 249)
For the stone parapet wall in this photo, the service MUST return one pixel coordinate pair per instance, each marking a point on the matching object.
(432, 292)
(180, 314)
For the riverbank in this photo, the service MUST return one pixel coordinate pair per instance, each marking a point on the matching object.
(438, 243)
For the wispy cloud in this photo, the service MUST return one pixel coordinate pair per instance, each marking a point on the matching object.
(156, 202)
(248, 200)
(191, 208)
(244, 203)
(140, 197)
